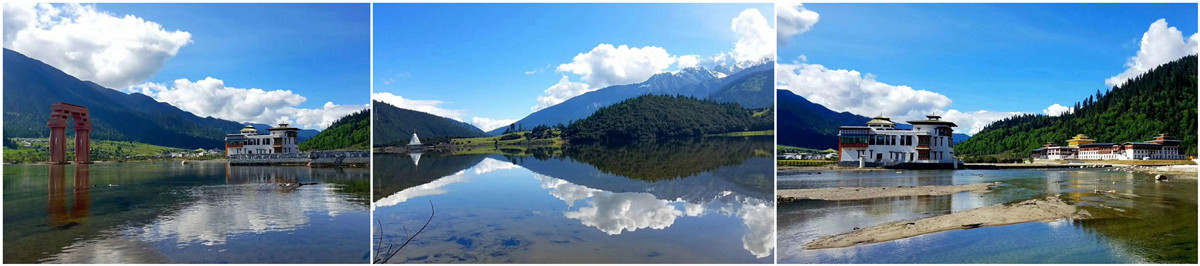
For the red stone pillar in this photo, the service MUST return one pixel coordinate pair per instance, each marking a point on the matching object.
(83, 141)
(58, 137)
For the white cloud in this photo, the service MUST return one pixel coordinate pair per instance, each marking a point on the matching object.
(317, 118)
(687, 61)
(756, 38)
(436, 187)
(489, 165)
(607, 65)
(116, 52)
(760, 222)
(561, 91)
(614, 213)
(793, 20)
(427, 106)
(848, 90)
(487, 124)
(973, 122)
(1057, 110)
(210, 97)
(1160, 44)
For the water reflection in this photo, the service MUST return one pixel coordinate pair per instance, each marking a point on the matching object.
(200, 212)
(487, 213)
(56, 206)
(1137, 219)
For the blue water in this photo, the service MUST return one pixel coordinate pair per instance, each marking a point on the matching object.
(498, 211)
(168, 212)
(1144, 222)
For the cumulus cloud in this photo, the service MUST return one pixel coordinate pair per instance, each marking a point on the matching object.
(210, 97)
(756, 38)
(607, 65)
(487, 124)
(561, 91)
(793, 20)
(848, 90)
(113, 51)
(973, 122)
(687, 61)
(426, 106)
(1057, 110)
(1160, 44)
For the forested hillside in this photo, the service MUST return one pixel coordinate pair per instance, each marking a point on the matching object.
(656, 116)
(395, 126)
(349, 132)
(30, 87)
(1162, 100)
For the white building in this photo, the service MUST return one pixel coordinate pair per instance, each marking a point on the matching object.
(282, 139)
(880, 143)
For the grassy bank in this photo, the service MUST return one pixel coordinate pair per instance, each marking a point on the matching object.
(37, 150)
(512, 143)
(803, 163)
(745, 134)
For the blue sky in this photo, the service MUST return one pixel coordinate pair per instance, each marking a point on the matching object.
(301, 56)
(321, 51)
(474, 58)
(995, 57)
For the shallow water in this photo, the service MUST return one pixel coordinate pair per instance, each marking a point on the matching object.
(168, 212)
(1144, 222)
(710, 203)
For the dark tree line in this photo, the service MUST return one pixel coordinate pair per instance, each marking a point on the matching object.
(1162, 100)
(657, 116)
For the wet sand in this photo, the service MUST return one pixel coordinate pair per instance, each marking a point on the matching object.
(857, 193)
(1046, 209)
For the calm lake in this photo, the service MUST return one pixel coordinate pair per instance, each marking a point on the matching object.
(200, 212)
(680, 201)
(1144, 222)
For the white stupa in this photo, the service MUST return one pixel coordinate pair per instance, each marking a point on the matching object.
(415, 141)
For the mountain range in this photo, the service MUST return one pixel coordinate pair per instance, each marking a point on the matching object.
(31, 86)
(805, 124)
(750, 87)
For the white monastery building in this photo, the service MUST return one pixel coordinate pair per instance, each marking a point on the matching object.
(930, 142)
(282, 140)
(1080, 147)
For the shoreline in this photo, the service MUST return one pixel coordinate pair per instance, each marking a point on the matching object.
(1033, 210)
(860, 193)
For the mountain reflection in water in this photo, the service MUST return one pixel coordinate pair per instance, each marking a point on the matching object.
(678, 201)
(202, 212)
